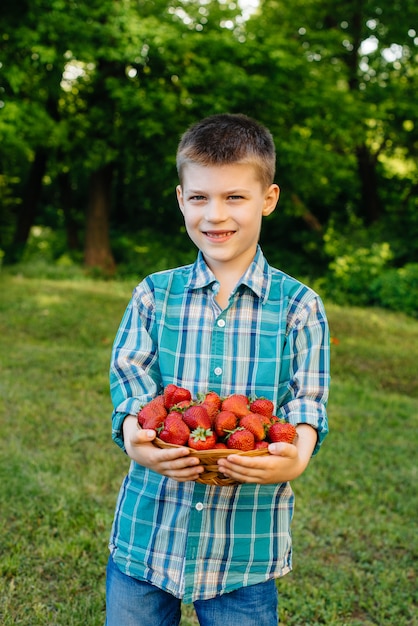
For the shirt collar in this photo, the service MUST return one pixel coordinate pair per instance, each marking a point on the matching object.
(257, 277)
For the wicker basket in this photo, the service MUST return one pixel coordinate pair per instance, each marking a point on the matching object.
(209, 458)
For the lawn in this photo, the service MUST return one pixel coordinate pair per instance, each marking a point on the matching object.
(354, 531)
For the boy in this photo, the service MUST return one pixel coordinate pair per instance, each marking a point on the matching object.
(232, 324)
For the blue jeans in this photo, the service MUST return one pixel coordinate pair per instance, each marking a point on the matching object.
(132, 602)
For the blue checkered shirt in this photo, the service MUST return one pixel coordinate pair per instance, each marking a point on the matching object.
(192, 540)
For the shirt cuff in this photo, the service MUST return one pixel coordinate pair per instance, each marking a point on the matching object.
(117, 426)
(307, 412)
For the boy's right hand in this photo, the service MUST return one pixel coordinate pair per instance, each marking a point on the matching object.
(175, 463)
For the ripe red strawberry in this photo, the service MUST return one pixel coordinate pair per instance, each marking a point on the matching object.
(154, 421)
(282, 431)
(224, 422)
(173, 394)
(237, 403)
(174, 430)
(152, 414)
(197, 416)
(211, 401)
(220, 446)
(266, 421)
(263, 406)
(213, 398)
(253, 423)
(202, 439)
(168, 394)
(241, 439)
(260, 445)
(211, 409)
(182, 406)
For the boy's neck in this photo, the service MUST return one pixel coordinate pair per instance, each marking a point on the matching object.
(225, 290)
(228, 276)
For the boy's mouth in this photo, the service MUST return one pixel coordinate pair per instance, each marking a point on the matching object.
(219, 234)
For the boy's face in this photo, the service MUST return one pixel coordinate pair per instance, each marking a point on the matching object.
(223, 207)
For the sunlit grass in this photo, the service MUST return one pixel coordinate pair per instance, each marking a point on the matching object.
(354, 539)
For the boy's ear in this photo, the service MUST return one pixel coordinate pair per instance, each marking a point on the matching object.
(179, 193)
(270, 199)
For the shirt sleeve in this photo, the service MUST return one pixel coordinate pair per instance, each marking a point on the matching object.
(134, 372)
(307, 391)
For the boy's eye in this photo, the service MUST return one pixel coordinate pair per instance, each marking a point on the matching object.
(196, 198)
(235, 197)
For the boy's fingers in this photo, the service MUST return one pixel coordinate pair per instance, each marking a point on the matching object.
(147, 435)
(142, 436)
(283, 449)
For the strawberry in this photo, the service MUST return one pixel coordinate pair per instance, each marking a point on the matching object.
(169, 391)
(266, 421)
(237, 403)
(174, 430)
(202, 439)
(253, 423)
(174, 394)
(182, 406)
(211, 410)
(197, 416)
(263, 406)
(260, 445)
(282, 431)
(152, 414)
(211, 397)
(224, 421)
(241, 439)
(220, 446)
(154, 421)
(211, 401)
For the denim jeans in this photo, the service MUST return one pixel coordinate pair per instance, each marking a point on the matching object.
(132, 602)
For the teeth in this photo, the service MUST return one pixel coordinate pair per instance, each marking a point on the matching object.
(219, 235)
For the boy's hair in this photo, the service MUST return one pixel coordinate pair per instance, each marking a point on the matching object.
(227, 138)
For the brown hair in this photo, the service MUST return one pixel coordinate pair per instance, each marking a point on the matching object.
(228, 138)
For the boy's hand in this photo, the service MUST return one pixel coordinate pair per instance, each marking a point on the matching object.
(175, 463)
(286, 461)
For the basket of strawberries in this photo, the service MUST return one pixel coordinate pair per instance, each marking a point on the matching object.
(214, 427)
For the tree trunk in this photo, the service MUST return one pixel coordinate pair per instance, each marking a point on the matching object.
(366, 163)
(97, 251)
(28, 208)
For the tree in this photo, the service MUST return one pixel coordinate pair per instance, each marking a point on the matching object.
(96, 95)
(351, 107)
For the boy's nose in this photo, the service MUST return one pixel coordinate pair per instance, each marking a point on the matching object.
(215, 211)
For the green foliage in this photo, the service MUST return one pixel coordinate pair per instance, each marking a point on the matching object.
(97, 83)
(44, 244)
(63, 268)
(360, 271)
(350, 275)
(60, 471)
(149, 252)
(397, 289)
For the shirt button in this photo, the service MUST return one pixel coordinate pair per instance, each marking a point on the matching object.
(221, 323)
(199, 506)
(218, 371)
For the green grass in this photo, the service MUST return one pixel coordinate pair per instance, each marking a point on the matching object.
(356, 506)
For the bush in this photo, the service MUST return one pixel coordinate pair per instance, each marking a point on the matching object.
(351, 275)
(44, 244)
(397, 289)
(139, 254)
(61, 269)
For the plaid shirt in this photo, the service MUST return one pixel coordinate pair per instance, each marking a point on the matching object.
(197, 541)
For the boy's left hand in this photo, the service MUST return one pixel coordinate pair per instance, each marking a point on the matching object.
(286, 461)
